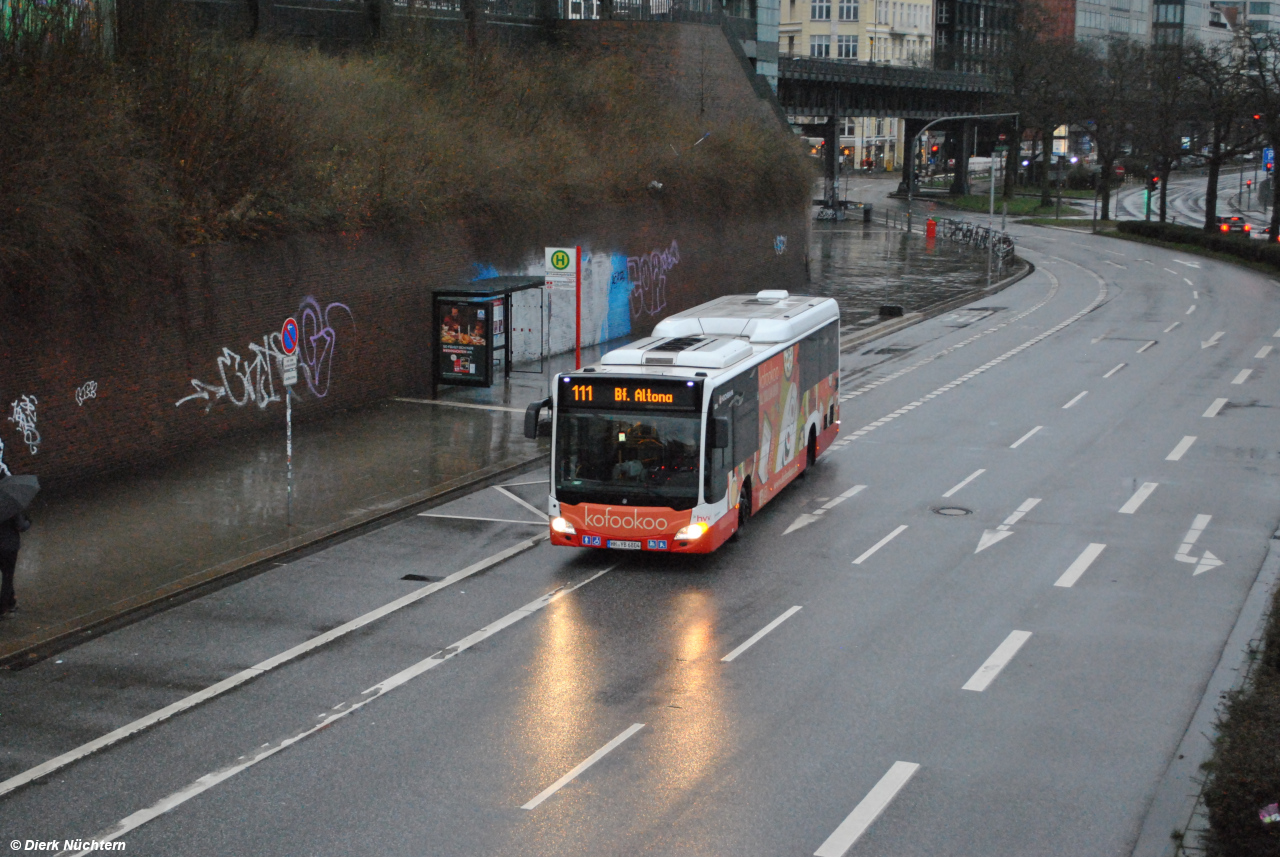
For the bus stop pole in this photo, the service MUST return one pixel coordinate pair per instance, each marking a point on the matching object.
(577, 311)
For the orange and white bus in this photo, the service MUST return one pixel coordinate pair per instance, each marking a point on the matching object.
(671, 442)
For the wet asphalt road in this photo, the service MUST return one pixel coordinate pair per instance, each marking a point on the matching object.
(426, 730)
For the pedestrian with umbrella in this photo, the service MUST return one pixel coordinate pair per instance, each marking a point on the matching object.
(16, 494)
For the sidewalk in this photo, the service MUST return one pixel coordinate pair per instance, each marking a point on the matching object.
(119, 546)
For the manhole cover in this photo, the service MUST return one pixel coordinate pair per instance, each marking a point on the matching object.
(954, 511)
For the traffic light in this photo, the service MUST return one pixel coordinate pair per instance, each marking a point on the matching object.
(1153, 183)
(1248, 183)
(934, 149)
(846, 151)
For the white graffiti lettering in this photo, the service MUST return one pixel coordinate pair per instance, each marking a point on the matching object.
(24, 417)
(648, 275)
(623, 522)
(4, 468)
(245, 381)
(87, 390)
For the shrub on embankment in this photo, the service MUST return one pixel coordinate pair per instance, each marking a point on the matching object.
(185, 138)
(1264, 252)
(1244, 772)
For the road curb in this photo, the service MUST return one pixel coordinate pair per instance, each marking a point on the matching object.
(1176, 801)
(33, 648)
(884, 328)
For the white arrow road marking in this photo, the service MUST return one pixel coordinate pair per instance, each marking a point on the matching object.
(1262, 352)
(990, 537)
(1080, 566)
(1215, 407)
(1115, 370)
(999, 660)
(867, 553)
(1203, 563)
(1146, 346)
(1242, 377)
(1213, 340)
(1188, 264)
(806, 519)
(1138, 497)
(583, 765)
(1181, 449)
(867, 810)
(1172, 326)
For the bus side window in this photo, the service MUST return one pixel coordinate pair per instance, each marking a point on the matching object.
(746, 417)
(819, 355)
(719, 461)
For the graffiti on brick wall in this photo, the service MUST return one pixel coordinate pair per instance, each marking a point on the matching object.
(780, 245)
(244, 381)
(4, 468)
(86, 391)
(648, 276)
(23, 416)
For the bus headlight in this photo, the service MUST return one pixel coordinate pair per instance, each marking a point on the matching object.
(563, 527)
(691, 532)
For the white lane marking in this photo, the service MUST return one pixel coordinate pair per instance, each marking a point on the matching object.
(1102, 296)
(998, 661)
(867, 810)
(529, 506)
(1181, 449)
(478, 518)
(1276, 335)
(755, 638)
(1172, 326)
(1190, 310)
(583, 765)
(1171, 271)
(1213, 340)
(1114, 265)
(1214, 408)
(1188, 264)
(1076, 399)
(457, 404)
(1138, 498)
(1115, 370)
(1202, 563)
(1262, 352)
(867, 553)
(1017, 443)
(339, 711)
(530, 482)
(990, 537)
(1082, 563)
(1148, 345)
(1242, 376)
(972, 476)
(805, 519)
(258, 669)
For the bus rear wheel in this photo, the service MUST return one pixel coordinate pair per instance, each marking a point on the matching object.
(744, 509)
(811, 457)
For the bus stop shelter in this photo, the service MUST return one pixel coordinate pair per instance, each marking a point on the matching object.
(482, 326)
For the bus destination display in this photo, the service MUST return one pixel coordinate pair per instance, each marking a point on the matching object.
(629, 394)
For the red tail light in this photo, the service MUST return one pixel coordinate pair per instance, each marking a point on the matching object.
(1248, 227)
(1224, 227)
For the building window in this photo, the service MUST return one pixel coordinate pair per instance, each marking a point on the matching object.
(944, 13)
(820, 46)
(847, 47)
(848, 10)
(820, 10)
(791, 46)
(882, 12)
(1259, 8)
(879, 127)
(1259, 26)
(1168, 13)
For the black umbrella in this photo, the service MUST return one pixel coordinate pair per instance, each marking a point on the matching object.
(16, 494)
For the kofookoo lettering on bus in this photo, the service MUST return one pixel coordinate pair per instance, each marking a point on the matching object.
(635, 522)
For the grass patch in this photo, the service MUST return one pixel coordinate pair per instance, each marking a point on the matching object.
(188, 138)
(1244, 771)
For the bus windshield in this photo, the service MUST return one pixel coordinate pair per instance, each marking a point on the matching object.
(639, 459)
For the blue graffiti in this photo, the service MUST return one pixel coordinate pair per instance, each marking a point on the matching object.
(483, 272)
(617, 321)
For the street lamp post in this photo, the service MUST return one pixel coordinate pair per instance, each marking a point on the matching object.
(915, 145)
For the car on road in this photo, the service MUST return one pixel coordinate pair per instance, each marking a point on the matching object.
(1233, 223)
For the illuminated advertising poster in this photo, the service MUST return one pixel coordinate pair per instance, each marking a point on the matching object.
(779, 423)
(463, 355)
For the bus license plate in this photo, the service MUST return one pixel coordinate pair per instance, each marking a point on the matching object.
(626, 546)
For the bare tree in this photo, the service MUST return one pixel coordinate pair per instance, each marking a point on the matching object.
(1263, 75)
(1163, 112)
(1219, 74)
(1106, 101)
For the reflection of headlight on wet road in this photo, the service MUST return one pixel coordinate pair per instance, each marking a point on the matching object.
(560, 525)
(691, 532)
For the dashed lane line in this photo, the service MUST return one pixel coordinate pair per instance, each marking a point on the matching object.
(759, 635)
(1115, 370)
(1076, 399)
(972, 476)
(871, 550)
(1138, 498)
(583, 765)
(1262, 352)
(1242, 376)
(325, 720)
(1214, 408)
(1017, 443)
(1080, 566)
(1181, 449)
(999, 659)
(867, 810)
(1148, 344)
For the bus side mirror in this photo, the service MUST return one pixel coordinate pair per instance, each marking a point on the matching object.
(720, 433)
(531, 415)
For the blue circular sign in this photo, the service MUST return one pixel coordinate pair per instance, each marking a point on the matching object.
(289, 336)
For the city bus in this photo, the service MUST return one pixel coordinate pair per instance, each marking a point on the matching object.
(671, 443)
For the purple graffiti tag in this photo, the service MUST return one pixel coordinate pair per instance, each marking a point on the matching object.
(317, 341)
(648, 276)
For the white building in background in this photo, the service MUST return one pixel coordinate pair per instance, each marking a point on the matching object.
(892, 32)
(1111, 18)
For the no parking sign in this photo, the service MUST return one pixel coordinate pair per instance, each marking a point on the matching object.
(289, 343)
